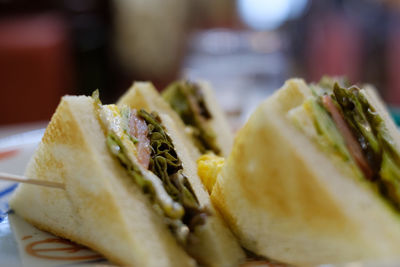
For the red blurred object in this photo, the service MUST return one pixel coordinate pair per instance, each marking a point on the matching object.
(334, 47)
(393, 64)
(35, 67)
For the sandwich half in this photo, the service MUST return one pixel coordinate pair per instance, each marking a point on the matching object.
(314, 177)
(216, 245)
(127, 194)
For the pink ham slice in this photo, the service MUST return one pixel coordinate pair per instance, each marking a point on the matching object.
(351, 142)
(138, 129)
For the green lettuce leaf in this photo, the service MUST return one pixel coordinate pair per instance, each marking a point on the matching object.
(166, 165)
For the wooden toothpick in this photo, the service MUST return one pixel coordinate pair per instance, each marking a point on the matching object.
(23, 179)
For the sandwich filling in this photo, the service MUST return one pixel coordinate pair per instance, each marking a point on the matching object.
(188, 101)
(140, 143)
(344, 123)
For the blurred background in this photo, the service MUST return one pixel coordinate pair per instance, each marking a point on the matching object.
(245, 48)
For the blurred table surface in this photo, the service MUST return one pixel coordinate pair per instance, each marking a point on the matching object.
(8, 130)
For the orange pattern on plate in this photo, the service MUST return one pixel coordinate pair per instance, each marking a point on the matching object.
(45, 253)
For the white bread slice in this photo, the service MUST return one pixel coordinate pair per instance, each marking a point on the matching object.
(101, 207)
(285, 199)
(216, 245)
